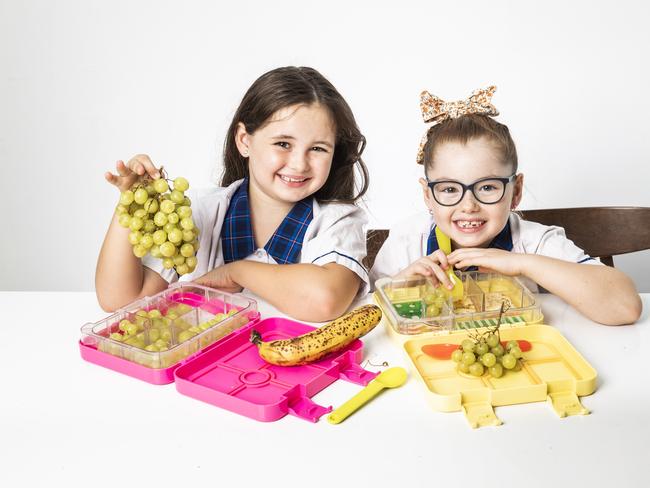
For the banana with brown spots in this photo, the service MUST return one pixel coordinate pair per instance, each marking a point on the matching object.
(317, 344)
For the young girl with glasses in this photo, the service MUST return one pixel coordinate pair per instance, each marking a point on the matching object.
(471, 188)
(283, 224)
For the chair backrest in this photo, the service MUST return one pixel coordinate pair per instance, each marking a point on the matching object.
(602, 232)
(374, 240)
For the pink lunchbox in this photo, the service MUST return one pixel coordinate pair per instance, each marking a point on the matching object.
(209, 355)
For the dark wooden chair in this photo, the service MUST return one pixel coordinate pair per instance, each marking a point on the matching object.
(374, 240)
(602, 232)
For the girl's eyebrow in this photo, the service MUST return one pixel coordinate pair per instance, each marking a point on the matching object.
(286, 136)
(446, 178)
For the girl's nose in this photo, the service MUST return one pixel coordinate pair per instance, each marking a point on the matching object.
(299, 161)
(469, 203)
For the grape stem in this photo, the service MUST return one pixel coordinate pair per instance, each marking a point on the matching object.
(146, 179)
(478, 336)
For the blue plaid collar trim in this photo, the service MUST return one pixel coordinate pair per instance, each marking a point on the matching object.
(285, 245)
(503, 240)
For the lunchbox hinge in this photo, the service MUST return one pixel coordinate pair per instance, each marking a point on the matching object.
(480, 414)
(303, 407)
(562, 397)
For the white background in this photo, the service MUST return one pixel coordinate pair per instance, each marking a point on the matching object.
(84, 83)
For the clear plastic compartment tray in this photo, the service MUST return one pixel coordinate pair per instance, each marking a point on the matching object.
(151, 336)
(415, 306)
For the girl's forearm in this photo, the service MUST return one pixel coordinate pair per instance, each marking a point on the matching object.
(119, 275)
(304, 291)
(601, 293)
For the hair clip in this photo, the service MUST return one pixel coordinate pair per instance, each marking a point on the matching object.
(437, 110)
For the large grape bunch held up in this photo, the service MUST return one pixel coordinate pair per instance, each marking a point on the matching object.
(160, 220)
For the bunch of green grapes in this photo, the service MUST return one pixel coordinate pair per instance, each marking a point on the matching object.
(484, 353)
(152, 330)
(160, 220)
(159, 330)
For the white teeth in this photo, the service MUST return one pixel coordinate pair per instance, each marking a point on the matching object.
(467, 224)
(292, 180)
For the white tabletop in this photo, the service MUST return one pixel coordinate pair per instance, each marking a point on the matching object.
(64, 422)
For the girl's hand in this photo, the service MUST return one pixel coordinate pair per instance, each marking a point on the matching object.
(220, 278)
(432, 266)
(504, 262)
(128, 174)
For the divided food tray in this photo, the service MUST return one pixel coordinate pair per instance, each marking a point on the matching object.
(232, 375)
(219, 364)
(415, 306)
(552, 370)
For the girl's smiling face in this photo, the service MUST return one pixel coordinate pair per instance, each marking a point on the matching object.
(291, 155)
(470, 223)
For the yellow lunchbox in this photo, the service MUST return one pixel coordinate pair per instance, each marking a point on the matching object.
(422, 318)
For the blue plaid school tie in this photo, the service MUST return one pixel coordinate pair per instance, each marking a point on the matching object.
(237, 238)
(284, 245)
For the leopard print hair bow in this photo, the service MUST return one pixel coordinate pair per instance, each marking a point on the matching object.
(436, 110)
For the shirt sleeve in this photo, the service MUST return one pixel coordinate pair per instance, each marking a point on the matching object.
(405, 244)
(155, 264)
(555, 244)
(338, 236)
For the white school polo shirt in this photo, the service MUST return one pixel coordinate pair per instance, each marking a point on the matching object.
(336, 234)
(407, 242)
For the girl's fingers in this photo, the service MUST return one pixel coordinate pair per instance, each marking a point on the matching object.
(122, 169)
(114, 180)
(442, 277)
(438, 257)
(442, 259)
(421, 269)
(434, 280)
(454, 260)
(135, 165)
(459, 253)
(144, 165)
(150, 168)
(465, 263)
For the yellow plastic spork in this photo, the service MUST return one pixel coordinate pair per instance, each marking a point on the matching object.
(444, 244)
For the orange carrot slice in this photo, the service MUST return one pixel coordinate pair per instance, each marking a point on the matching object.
(440, 351)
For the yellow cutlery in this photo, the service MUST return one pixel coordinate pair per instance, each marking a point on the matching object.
(389, 378)
(444, 244)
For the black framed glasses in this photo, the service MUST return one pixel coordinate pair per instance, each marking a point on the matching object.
(486, 190)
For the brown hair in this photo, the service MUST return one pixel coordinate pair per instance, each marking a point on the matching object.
(291, 85)
(467, 127)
